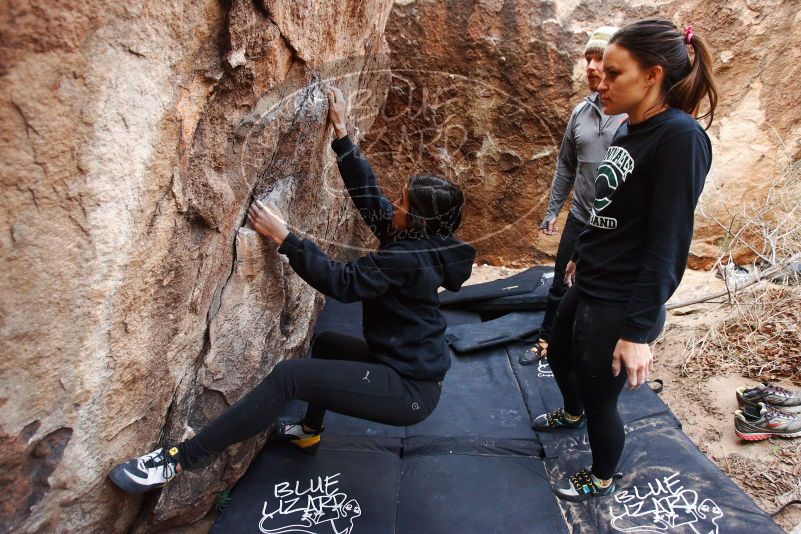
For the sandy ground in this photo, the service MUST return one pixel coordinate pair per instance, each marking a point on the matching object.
(768, 470)
(765, 470)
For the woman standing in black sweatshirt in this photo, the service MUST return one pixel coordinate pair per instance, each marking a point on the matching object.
(632, 254)
(392, 376)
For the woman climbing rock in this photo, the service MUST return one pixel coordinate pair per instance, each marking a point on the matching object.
(392, 376)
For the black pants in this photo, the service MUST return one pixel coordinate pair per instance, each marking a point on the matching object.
(340, 376)
(567, 243)
(580, 354)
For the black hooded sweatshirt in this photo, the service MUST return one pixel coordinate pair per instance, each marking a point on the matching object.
(398, 283)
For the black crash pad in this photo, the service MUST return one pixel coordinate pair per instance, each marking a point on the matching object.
(480, 398)
(456, 317)
(541, 394)
(350, 485)
(474, 487)
(475, 466)
(522, 282)
(534, 300)
(505, 329)
(668, 486)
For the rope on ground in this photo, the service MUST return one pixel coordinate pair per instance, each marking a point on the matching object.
(785, 505)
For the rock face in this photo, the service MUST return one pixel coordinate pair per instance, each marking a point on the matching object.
(482, 90)
(135, 303)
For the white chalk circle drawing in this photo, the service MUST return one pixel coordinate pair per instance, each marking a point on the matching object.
(665, 505)
(316, 507)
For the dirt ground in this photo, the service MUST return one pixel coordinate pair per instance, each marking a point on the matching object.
(769, 471)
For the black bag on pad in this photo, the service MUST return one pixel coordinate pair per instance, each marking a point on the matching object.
(518, 284)
(534, 300)
(511, 327)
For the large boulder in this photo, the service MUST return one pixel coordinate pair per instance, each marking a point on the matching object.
(136, 304)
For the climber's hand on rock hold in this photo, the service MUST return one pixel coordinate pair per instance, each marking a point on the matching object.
(266, 221)
(337, 111)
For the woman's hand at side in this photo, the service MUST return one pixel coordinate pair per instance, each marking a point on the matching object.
(266, 221)
(337, 111)
(570, 273)
(638, 360)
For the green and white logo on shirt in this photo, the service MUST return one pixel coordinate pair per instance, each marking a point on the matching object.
(615, 168)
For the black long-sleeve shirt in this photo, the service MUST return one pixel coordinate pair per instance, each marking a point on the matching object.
(398, 283)
(634, 248)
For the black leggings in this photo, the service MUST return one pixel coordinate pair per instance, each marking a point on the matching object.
(580, 352)
(567, 243)
(341, 376)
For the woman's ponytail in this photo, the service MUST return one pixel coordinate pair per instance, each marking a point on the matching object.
(687, 80)
(688, 93)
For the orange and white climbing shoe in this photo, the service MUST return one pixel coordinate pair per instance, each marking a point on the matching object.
(294, 433)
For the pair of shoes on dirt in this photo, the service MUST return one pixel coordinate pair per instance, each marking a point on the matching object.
(157, 468)
(767, 411)
(582, 485)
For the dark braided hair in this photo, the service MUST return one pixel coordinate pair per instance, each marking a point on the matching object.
(435, 206)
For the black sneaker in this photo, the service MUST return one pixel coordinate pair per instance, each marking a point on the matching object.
(292, 432)
(537, 351)
(779, 398)
(556, 420)
(150, 471)
(762, 422)
(583, 486)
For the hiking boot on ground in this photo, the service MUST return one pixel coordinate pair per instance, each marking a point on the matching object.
(152, 470)
(556, 420)
(754, 424)
(294, 433)
(779, 398)
(583, 486)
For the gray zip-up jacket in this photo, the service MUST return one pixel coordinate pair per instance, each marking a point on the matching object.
(588, 134)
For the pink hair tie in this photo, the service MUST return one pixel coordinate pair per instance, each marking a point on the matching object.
(688, 34)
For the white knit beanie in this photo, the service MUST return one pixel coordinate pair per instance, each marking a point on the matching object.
(600, 38)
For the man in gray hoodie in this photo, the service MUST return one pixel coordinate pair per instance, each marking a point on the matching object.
(588, 134)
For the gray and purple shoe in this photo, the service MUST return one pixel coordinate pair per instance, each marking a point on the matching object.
(777, 397)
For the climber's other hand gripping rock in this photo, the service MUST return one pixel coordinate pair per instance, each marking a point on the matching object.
(337, 111)
(266, 221)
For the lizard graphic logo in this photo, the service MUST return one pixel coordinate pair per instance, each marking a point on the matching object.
(316, 507)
